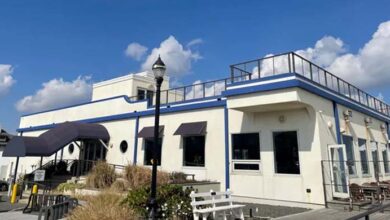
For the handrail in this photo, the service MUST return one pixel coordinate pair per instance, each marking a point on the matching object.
(294, 63)
(366, 214)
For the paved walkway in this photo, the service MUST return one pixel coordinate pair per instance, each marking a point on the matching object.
(17, 216)
(6, 206)
(331, 214)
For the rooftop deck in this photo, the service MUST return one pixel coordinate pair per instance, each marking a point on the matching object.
(264, 68)
(271, 66)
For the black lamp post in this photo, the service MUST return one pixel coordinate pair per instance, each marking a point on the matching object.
(159, 69)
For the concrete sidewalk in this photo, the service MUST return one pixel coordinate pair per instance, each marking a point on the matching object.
(17, 215)
(6, 206)
(331, 214)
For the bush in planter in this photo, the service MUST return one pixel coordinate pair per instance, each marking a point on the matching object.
(138, 176)
(172, 200)
(119, 186)
(101, 176)
(105, 206)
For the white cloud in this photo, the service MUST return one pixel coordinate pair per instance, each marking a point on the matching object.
(325, 51)
(177, 58)
(194, 42)
(368, 68)
(136, 51)
(6, 79)
(210, 89)
(57, 93)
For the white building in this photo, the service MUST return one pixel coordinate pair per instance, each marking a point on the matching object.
(5, 164)
(270, 132)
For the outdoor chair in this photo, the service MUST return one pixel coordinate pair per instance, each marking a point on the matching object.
(357, 193)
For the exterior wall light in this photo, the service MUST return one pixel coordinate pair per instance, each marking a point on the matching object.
(347, 115)
(368, 122)
(383, 127)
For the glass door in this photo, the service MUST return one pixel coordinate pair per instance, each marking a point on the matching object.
(338, 170)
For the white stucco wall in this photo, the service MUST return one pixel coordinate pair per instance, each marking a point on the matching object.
(310, 115)
(172, 148)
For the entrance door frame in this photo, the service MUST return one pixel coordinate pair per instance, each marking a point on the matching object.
(344, 163)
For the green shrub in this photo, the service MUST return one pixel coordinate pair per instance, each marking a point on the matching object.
(172, 200)
(69, 187)
(101, 176)
(138, 176)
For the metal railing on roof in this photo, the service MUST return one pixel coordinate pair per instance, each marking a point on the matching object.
(294, 63)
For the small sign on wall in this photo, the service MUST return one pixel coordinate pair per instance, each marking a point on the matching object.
(39, 175)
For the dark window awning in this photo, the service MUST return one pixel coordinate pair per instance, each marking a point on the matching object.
(54, 139)
(148, 132)
(193, 128)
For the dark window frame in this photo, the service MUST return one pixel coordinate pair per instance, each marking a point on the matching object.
(184, 150)
(245, 164)
(352, 171)
(147, 162)
(386, 166)
(366, 162)
(274, 152)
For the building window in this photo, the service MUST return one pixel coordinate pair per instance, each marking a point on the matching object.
(363, 156)
(144, 94)
(246, 151)
(286, 152)
(348, 142)
(385, 158)
(71, 149)
(193, 149)
(375, 159)
(123, 146)
(149, 151)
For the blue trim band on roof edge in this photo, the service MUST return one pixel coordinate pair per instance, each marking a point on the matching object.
(136, 140)
(227, 157)
(189, 101)
(213, 104)
(347, 103)
(262, 88)
(303, 83)
(337, 122)
(126, 98)
(282, 75)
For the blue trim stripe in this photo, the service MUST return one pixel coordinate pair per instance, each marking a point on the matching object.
(227, 158)
(136, 140)
(204, 105)
(308, 86)
(337, 122)
(348, 103)
(262, 88)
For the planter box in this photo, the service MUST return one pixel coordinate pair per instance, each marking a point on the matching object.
(87, 192)
(202, 186)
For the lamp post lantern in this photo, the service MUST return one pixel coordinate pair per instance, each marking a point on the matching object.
(158, 69)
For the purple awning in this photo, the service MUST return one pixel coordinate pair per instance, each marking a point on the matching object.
(54, 139)
(148, 132)
(193, 128)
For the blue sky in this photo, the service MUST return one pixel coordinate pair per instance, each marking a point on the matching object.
(71, 44)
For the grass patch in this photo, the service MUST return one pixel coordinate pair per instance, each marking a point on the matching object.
(106, 206)
(101, 176)
(137, 176)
